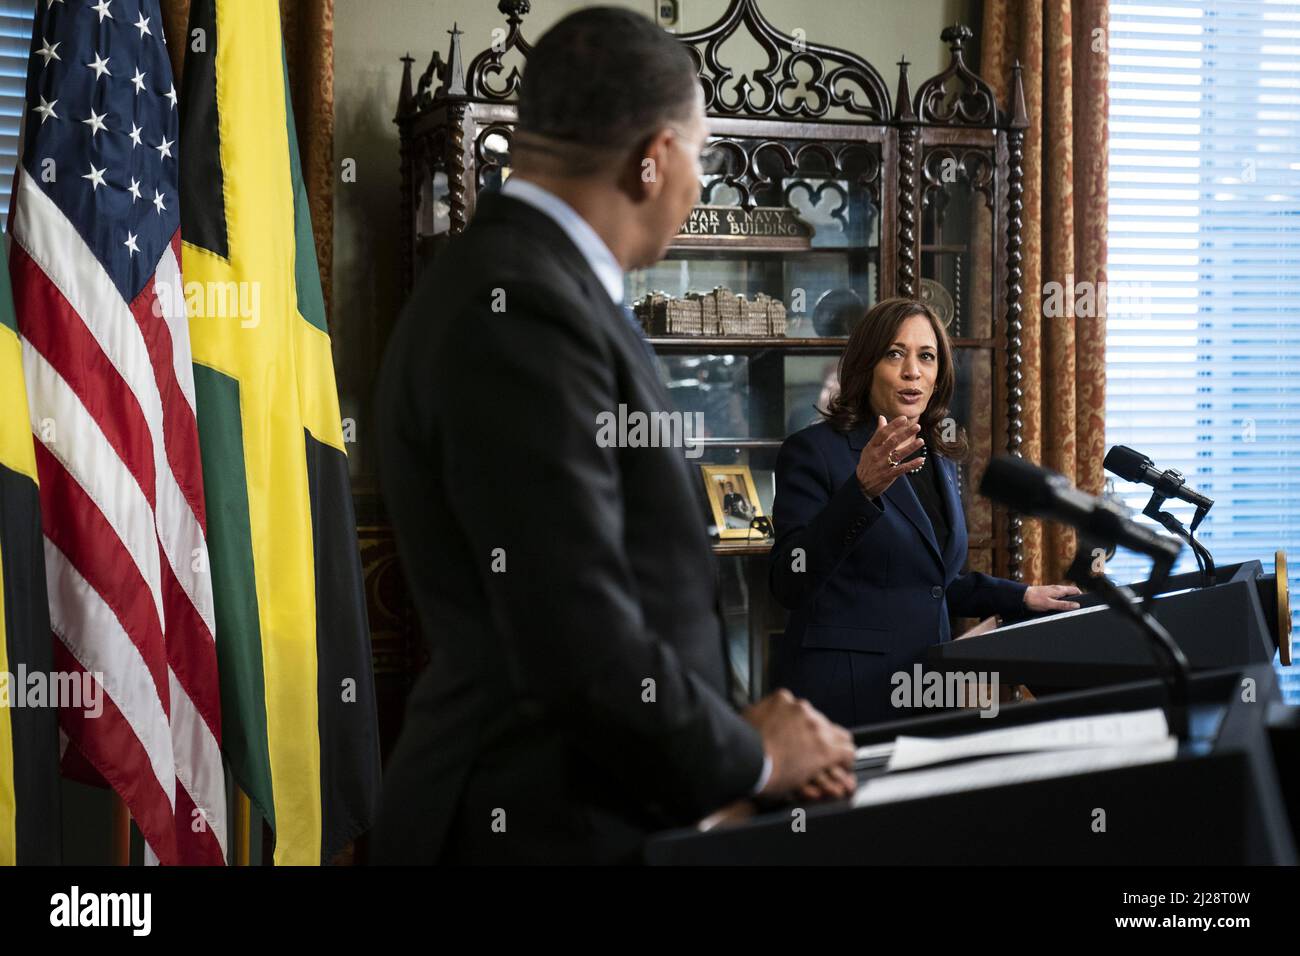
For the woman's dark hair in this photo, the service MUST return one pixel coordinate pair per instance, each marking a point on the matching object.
(873, 336)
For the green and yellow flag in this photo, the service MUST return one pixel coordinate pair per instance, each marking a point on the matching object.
(293, 648)
(29, 729)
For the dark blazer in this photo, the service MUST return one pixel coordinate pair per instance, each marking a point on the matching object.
(576, 689)
(868, 588)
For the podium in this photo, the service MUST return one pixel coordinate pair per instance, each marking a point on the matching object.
(1230, 795)
(1228, 624)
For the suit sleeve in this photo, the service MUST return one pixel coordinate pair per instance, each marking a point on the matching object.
(981, 595)
(533, 488)
(817, 521)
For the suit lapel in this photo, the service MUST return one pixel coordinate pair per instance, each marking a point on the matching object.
(634, 348)
(901, 495)
(952, 558)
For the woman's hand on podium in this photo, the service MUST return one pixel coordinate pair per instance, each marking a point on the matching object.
(1051, 597)
(810, 755)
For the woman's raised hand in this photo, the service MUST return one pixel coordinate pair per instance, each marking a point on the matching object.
(881, 460)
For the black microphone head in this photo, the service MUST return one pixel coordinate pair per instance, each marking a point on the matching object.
(1019, 484)
(1126, 463)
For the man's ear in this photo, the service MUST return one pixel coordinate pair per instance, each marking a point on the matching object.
(650, 162)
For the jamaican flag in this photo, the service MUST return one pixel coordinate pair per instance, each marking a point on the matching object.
(29, 734)
(293, 646)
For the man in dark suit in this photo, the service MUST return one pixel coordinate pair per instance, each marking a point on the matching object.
(575, 698)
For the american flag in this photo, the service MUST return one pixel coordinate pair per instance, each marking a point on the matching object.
(95, 245)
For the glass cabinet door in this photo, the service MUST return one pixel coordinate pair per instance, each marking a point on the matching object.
(957, 239)
(826, 276)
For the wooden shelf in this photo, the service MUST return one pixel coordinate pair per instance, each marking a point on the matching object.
(796, 345)
(740, 442)
(736, 251)
(738, 547)
(727, 344)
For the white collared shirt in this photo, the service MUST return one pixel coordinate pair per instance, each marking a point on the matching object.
(588, 241)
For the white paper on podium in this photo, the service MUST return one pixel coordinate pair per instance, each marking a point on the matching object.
(1078, 612)
(1069, 733)
(1018, 768)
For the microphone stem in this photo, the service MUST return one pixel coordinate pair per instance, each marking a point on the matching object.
(1204, 561)
(1170, 660)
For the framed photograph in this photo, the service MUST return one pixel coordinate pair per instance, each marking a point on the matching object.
(733, 499)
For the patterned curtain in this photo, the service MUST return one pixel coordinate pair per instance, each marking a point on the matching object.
(308, 27)
(1062, 46)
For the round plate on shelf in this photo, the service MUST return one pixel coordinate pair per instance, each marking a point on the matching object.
(837, 311)
(938, 298)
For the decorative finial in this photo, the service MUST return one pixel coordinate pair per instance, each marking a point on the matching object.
(405, 96)
(514, 10)
(1019, 115)
(454, 79)
(956, 36)
(903, 111)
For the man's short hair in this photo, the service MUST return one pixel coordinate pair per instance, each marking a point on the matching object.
(603, 78)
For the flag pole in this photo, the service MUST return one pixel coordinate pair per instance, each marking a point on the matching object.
(241, 836)
(121, 832)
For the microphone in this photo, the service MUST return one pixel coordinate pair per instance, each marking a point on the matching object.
(1134, 466)
(1041, 493)
(1036, 491)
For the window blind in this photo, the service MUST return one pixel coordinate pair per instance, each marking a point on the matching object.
(15, 46)
(1203, 327)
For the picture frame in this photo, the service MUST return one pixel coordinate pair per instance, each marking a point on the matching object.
(733, 499)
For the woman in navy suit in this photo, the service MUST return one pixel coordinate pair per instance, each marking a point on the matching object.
(870, 534)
